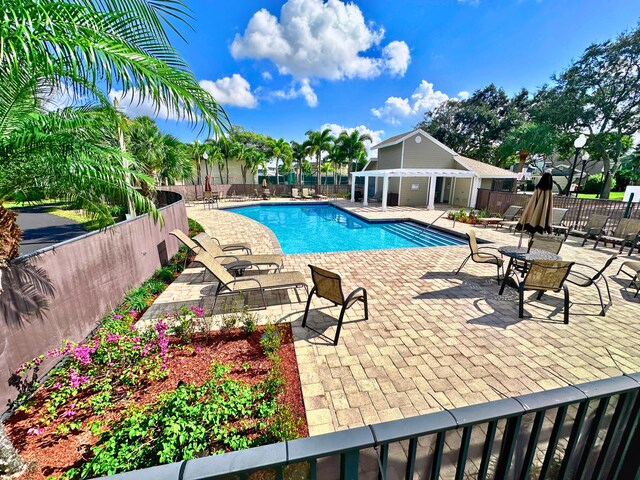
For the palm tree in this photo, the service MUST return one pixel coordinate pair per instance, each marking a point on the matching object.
(318, 142)
(84, 49)
(298, 155)
(217, 155)
(281, 150)
(196, 150)
(351, 147)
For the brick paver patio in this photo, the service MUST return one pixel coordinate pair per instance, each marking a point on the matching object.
(433, 339)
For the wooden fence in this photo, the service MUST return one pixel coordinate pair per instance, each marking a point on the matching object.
(580, 209)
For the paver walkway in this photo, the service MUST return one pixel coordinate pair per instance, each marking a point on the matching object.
(433, 339)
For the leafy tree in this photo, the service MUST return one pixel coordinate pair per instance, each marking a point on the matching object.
(217, 149)
(629, 171)
(476, 126)
(299, 156)
(281, 150)
(318, 142)
(600, 93)
(351, 147)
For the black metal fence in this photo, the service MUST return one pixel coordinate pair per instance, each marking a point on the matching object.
(580, 209)
(587, 431)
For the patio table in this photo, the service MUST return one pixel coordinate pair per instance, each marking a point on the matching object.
(525, 255)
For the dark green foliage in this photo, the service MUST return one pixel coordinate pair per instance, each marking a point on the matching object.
(190, 422)
(271, 339)
(194, 227)
(137, 299)
(594, 183)
(154, 286)
(164, 274)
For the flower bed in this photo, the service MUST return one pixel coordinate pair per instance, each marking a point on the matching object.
(125, 399)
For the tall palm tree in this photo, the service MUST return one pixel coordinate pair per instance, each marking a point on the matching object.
(281, 150)
(318, 143)
(216, 149)
(351, 146)
(298, 155)
(196, 150)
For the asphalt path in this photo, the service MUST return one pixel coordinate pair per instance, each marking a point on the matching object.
(40, 229)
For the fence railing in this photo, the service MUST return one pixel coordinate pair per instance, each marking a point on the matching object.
(580, 209)
(586, 431)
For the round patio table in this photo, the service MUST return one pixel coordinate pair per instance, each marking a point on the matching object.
(525, 255)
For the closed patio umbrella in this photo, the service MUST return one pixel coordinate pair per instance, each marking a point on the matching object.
(207, 183)
(537, 215)
(264, 182)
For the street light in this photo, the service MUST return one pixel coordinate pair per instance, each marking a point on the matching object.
(578, 143)
(585, 158)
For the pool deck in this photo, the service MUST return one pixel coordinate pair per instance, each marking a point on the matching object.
(433, 340)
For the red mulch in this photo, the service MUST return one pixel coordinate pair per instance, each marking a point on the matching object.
(49, 454)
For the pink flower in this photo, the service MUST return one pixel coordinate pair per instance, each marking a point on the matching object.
(198, 349)
(70, 412)
(35, 431)
(117, 317)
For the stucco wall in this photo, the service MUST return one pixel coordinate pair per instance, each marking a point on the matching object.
(235, 174)
(88, 276)
(426, 154)
(389, 157)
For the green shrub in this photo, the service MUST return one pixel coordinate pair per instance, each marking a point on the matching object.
(137, 299)
(271, 339)
(154, 286)
(191, 421)
(164, 274)
(194, 227)
(594, 183)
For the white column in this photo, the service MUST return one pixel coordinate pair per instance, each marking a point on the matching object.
(432, 192)
(353, 188)
(443, 188)
(452, 190)
(385, 190)
(365, 195)
(473, 194)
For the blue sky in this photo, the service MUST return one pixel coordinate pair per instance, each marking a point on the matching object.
(282, 68)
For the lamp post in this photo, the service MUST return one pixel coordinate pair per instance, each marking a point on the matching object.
(578, 143)
(585, 157)
(205, 157)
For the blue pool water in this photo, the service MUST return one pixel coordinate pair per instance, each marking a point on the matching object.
(315, 228)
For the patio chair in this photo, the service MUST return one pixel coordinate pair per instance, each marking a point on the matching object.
(542, 276)
(294, 193)
(305, 193)
(229, 285)
(328, 285)
(635, 275)
(270, 261)
(479, 255)
(626, 233)
(208, 199)
(593, 228)
(583, 280)
(547, 243)
(510, 217)
(557, 217)
(195, 248)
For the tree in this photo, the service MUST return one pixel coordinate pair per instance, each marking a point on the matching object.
(476, 126)
(351, 147)
(600, 94)
(298, 155)
(195, 151)
(318, 142)
(217, 150)
(281, 150)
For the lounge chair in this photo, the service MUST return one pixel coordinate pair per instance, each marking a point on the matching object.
(479, 256)
(195, 248)
(557, 217)
(305, 193)
(328, 285)
(228, 285)
(294, 193)
(581, 279)
(626, 233)
(510, 216)
(593, 229)
(635, 276)
(542, 276)
(318, 196)
(270, 261)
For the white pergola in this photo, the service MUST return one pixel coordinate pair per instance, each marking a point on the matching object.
(430, 173)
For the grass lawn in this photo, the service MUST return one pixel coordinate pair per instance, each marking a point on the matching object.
(612, 195)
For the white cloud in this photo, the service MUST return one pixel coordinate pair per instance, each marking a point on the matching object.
(470, 2)
(267, 76)
(396, 58)
(463, 95)
(303, 90)
(132, 104)
(232, 91)
(320, 39)
(396, 109)
(376, 135)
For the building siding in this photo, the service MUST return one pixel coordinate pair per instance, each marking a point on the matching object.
(414, 198)
(426, 154)
(390, 157)
(461, 192)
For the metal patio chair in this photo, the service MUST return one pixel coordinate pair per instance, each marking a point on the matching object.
(626, 233)
(543, 276)
(510, 217)
(593, 229)
(635, 276)
(328, 285)
(480, 255)
(581, 279)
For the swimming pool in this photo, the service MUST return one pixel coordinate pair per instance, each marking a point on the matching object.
(319, 228)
